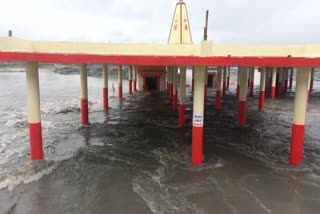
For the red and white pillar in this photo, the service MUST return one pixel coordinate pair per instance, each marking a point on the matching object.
(238, 85)
(243, 95)
(130, 80)
(299, 117)
(35, 131)
(224, 84)
(218, 89)
(262, 88)
(134, 78)
(84, 94)
(280, 85)
(198, 116)
(251, 89)
(228, 77)
(273, 83)
(291, 78)
(120, 82)
(174, 88)
(105, 86)
(182, 96)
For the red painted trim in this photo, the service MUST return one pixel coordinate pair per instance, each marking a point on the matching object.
(261, 100)
(242, 113)
(84, 112)
(182, 115)
(197, 143)
(174, 102)
(119, 92)
(251, 89)
(105, 98)
(218, 100)
(161, 60)
(224, 88)
(130, 87)
(296, 147)
(238, 92)
(171, 92)
(273, 93)
(36, 149)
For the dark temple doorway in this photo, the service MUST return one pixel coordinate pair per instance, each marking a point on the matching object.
(151, 83)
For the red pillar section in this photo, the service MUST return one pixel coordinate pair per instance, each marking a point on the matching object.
(273, 83)
(130, 80)
(243, 96)
(262, 88)
(218, 89)
(174, 88)
(105, 86)
(224, 84)
(192, 84)
(312, 79)
(198, 109)
(300, 105)
(120, 82)
(32, 75)
(251, 81)
(182, 96)
(84, 94)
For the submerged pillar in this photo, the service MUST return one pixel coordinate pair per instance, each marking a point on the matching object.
(291, 78)
(262, 87)
(224, 84)
(243, 96)
(218, 89)
(174, 88)
(300, 105)
(238, 84)
(273, 83)
(228, 77)
(251, 89)
(182, 96)
(120, 82)
(105, 86)
(130, 80)
(84, 94)
(192, 84)
(198, 109)
(312, 79)
(35, 131)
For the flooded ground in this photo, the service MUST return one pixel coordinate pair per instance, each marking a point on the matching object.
(133, 158)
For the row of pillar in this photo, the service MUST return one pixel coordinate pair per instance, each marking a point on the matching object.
(303, 85)
(32, 76)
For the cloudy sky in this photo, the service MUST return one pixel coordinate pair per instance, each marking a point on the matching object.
(231, 21)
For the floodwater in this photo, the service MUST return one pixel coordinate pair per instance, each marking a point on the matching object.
(133, 159)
